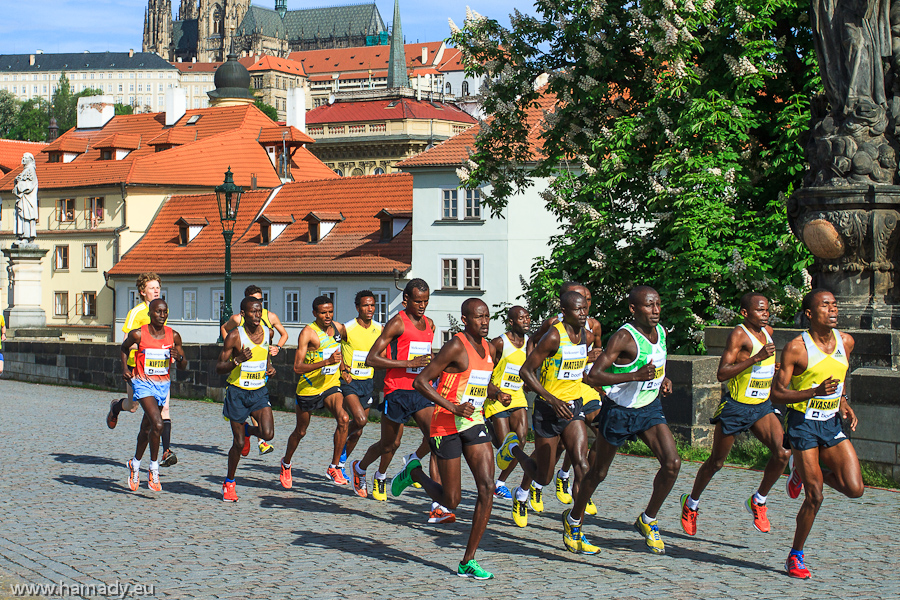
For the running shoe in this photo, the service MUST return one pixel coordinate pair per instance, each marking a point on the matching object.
(168, 459)
(415, 484)
(285, 477)
(359, 481)
(590, 508)
(501, 491)
(134, 477)
(265, 447)
(246, 449)
(403, 479)
(378, 488)
(439, 515)
(796, 567)
(519, 510)
(334, 474)
(760, 520)
(474, 570)
(794, 484)
(229, 493)
(504, 456)
(344, 454)
(343, 472)
(153, 482)
(651, 535)
(688, 516)
(112, 419)
(535, 498)
(573, 538)
(562, 490)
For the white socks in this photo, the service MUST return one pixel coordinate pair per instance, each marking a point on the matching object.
(285, 466)
(563, 474)
(358, 470)
(380, 476)
(758, 499)
(411, 457)
(136, 464)
(647, 520)
(691, 503)
(536, 485)
(572, 521)
(499, 483)
(521, 495)
(154, 465)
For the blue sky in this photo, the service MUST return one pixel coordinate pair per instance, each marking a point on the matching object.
(117, 25)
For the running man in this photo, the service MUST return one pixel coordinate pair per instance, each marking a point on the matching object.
(748, 365)
(245, 357)
(358, 377)
(811, 382)
(561, 356)
(632, 371)
(148, 286)
(158, 346)
(273, 323)
(317, 362)
(407, 338)
(464, 365)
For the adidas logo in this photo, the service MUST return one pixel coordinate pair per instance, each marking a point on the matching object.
(482, 434)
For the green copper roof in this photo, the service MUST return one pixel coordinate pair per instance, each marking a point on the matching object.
(312, 23)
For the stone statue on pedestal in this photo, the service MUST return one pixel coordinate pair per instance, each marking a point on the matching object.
(26, 192)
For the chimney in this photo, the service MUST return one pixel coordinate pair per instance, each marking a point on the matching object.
(296, 108)
(31, 59)
(424, 55)
(95, 112)
(38, 51)
(176, 105)
(131, 53)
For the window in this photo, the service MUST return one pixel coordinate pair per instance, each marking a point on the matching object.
(65, 210)
(381, 307)
(378, 171)
(218, 302)
(90, 256)
(106, 154)
(61, 258)
(60, 304)
(461, 273)
(473, 204)
(190, 305)
(386, 230)
(473, 273)
(329, 293)
(87, 304)
(446, 336)
(449, 89)
(448, 273)
(265, 299)
(134, 299)
(292, 306)
(465, 88)
(94, 211)
(450, 210)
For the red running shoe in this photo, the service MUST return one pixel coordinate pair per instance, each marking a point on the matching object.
(794, 484)
(229, 493)
(437, 515)
(285, 477)
(796, 568)
(688, 517)
(760, 520)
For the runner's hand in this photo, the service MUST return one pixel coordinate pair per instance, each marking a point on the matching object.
(827, 387)
(345, 375)
(419, 361)
(666, 386)
(594, 354)
(273, 350)
(270, 371)
(646, 373)
(847, 413)
(764, 353)
(504, 398)
(245, 354)
(464, 410)
(126, 375)
(561, 408)
(334, 358)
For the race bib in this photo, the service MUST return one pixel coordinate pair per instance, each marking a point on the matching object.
(253, 374)
(156, 361)
(822, 408)
(760, 385)
(571, 367)
(658, 376)
(417, 349)
(510, 379)
(476, 388)
(326, 354)
(358, 367)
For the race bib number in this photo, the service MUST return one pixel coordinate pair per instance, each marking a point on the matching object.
(417, 349)
(822, 408)
(156, 361)
(253, 374)
(326, 354)
(476, 388)
(760, 385)
(571, 367)
(658, 375)
(511, 379)
(358, 368)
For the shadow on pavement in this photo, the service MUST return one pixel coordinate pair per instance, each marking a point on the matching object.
(106, 484)
(189, 489)
(84, 459)
(199, 448)
(361, 546)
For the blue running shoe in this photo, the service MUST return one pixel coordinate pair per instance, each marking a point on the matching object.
(344, 455)
(501, 491)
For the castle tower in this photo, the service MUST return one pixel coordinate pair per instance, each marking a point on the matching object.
(187, 10)
(397, 75)
(158, 28)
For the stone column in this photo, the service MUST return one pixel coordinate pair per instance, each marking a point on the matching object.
(25, 272)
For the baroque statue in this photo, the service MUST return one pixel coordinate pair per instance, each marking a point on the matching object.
(26, 192)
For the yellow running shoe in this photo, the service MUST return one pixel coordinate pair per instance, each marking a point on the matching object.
(265, 447)
(651, 534)
(573, 538)
(590, 508)
(519, 510)
(379, 491)
(562, 490)
(536, 499)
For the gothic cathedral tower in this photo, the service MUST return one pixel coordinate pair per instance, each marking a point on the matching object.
(218, 20)
(158, 28)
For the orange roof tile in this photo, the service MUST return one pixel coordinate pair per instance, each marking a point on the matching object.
(282, 65)
(123, 141)
(68, 143)
(196, 67)
(306, 166)
(277, 134)
(380, 110)
(362, 58)
(11, 152)
(174, 137)
(353, 246)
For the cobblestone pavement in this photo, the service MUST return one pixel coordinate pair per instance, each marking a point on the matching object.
(69, 517)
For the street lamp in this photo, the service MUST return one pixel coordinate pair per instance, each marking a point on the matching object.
(228, 197)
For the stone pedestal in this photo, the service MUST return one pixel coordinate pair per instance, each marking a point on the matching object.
(25, 272)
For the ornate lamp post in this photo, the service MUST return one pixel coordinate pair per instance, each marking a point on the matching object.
(228, 197)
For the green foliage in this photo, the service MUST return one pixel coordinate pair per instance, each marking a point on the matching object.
(32, 121)
(124, 109)
(267, 109)
(9, 108)
(676, 137)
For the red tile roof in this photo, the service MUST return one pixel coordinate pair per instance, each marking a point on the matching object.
(123, 141)
(174, 137)
(11, 152)
(353, 246)
(378, 110)
(277, 134)
(362, 58)
(282, 65)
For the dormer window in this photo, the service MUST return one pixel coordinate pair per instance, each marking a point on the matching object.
(271, 226)
(188, 228)
(106, 154)
(392, 223)
(55, 157)
(320, 224)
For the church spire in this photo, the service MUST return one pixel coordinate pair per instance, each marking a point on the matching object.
(397, 76)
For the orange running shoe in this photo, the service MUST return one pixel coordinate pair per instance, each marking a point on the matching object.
(796, 567)
(359, 481)
(335, 475)
(229, 493)
(112, 418)
(153, 482)
(688, 517)
(760, 520)
(246, 449)
(793, 485)
(134, 477)
(285, 477)
(438, 515)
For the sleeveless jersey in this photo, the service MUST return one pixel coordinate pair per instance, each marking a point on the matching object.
(153, 356)
(635, 394)
(819, 367)
(320, 380)
(561, 373)
(355, 347)
(265, 320)
(754, 384)
(411, 344)
(469, 386)
(506, 377)
(251, 374)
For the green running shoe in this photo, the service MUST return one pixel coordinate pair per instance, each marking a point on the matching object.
(473, 569)
(403, 479)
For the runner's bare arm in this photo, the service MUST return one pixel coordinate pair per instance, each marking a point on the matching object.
(736, 358)
(131, 340)
(230, 325)
(282, 332)
(544, 349)
(621, 345)
(178, 357)
(306, 339)
(232, 354)
(794, 361)
(451, 357)
(391, 331)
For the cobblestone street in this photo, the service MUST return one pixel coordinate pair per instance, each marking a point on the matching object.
(69, 517)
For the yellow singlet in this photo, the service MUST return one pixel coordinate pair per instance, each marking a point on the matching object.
(506, 377)
(819, 367)
(356, 345)
(754, 384)
(561, 373)
(320, 380)
(137, 317)
(251, 374)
